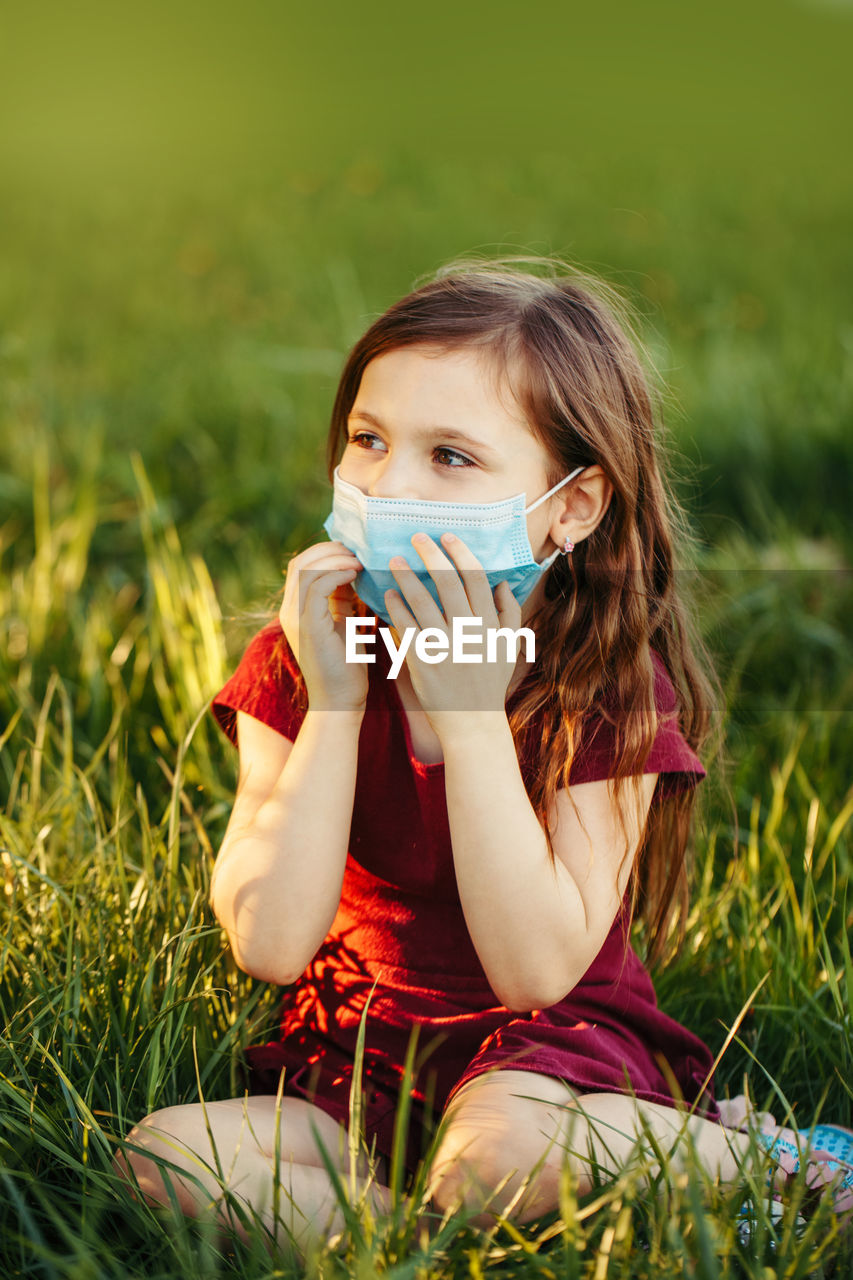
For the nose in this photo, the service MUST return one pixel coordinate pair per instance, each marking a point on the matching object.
(393, 479)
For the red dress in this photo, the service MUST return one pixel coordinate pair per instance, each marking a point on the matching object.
(400, 924)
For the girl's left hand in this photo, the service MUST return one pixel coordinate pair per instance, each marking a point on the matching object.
(447, 687)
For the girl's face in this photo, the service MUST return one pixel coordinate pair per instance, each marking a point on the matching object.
(433, 425)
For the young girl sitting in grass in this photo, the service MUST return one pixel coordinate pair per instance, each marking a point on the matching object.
(457, 846)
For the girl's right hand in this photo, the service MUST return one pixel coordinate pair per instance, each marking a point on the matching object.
(319, 580)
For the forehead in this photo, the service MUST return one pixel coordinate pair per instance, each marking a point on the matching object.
(424, 387)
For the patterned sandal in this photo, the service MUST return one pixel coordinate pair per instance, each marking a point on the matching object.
(832, 1139)
(828, 1151)
(831, 1148)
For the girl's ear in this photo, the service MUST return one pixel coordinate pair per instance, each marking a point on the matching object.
(584, 506)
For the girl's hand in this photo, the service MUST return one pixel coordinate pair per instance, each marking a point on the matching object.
(445, 688)
(318, 596)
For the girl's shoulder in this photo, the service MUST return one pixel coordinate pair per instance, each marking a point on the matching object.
(267, 685)
(670, 755)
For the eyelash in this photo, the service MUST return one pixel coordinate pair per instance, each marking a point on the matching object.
(358, 436)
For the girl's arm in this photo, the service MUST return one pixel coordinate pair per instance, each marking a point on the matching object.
(277, 880)
(536, 927)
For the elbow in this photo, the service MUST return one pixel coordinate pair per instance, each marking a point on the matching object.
(216, 905)
(259, 957)
(541, 982)
(258, 963)
(529, 998)
(531, 1003)
(519, 1004)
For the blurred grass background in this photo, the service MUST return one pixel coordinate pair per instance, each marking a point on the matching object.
(202, 206)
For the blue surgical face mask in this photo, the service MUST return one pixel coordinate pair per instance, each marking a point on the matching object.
(375, 529)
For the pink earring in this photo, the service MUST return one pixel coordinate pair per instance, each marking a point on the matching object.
(568, 548)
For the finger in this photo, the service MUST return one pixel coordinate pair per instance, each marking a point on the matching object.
(450, 588)
(473, 575)
(415, 594)
(508, 608)
(401, 617)
(337, 560)
(300, 576)
(316, 590)
(312, 556)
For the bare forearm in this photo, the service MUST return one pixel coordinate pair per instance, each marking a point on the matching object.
(277, 882)
(526, 916)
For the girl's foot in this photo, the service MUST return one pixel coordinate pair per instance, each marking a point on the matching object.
(828, 1153)
(833, 1139)
(741, 1113)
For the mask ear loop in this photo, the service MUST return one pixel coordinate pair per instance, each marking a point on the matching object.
(553, 489)
(569, 546)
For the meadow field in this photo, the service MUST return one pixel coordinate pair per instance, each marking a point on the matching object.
(173, 319)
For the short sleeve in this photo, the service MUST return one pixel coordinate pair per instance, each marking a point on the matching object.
(671, 756)
(266, 685)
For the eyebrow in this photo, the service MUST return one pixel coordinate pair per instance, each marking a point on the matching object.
(433, 433)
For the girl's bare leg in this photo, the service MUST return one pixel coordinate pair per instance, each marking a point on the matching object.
(240, 1145)
(501, 1125)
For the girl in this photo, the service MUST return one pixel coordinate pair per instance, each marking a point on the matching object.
(460, 849)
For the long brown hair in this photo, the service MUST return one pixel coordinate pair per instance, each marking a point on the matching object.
(561, 343)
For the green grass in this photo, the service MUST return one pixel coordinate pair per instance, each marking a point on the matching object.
(183, 270)
(119, 995)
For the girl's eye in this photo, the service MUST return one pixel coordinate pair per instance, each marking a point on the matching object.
(363, 439)
(459, 459)
(449, 458)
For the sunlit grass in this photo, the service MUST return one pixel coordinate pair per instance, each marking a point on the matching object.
(118, 994)
(171, 330)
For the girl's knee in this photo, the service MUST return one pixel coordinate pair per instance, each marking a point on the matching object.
(177, 1129)
(473, 1168)
(483, 1174)
(172, 1136)
(461, 1182)
(506, 1153)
